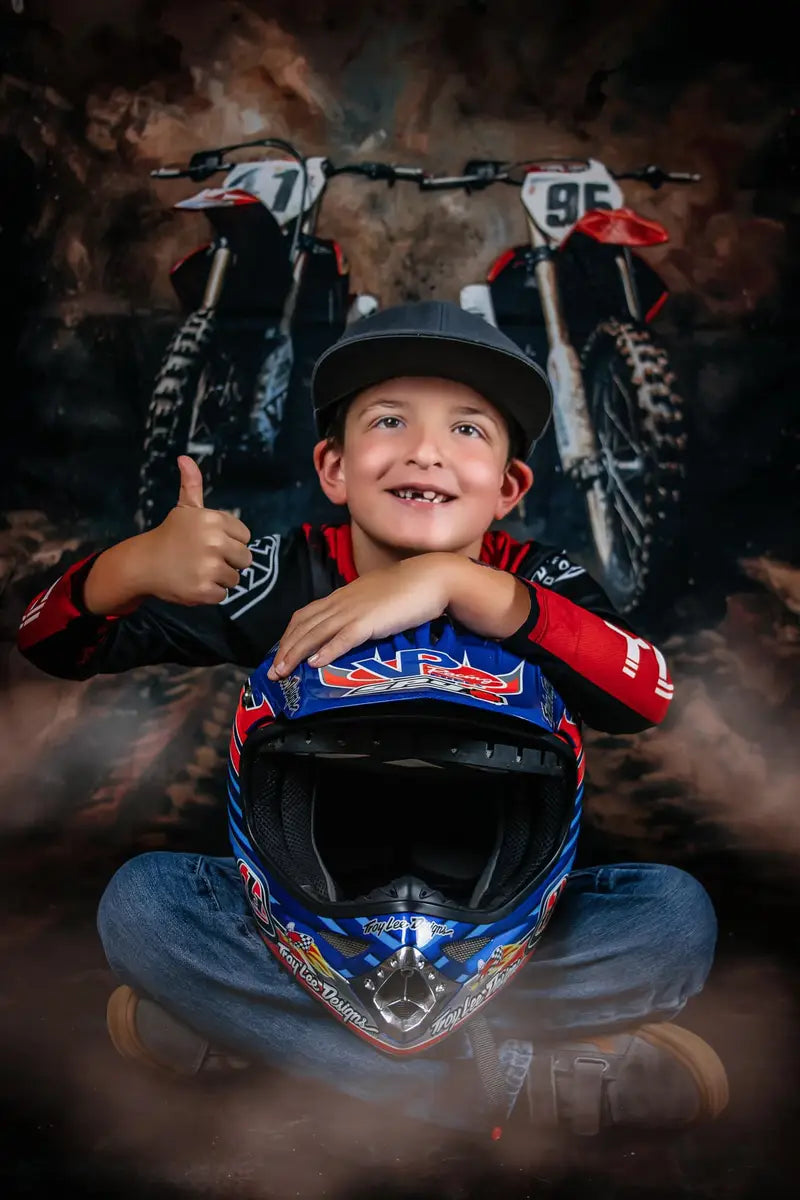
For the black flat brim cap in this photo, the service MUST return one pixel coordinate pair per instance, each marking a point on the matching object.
(436, 338)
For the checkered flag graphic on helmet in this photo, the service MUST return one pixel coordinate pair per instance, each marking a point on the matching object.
(303, 941)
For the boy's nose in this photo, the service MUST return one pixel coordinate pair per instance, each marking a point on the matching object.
(424, 450)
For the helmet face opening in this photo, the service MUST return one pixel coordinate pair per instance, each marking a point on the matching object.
(368, 816)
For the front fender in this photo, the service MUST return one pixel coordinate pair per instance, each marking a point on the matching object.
(591, 285)
(621, 227)
(259, 275)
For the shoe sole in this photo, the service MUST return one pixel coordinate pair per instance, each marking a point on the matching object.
(698, 1058)
(121, 1025)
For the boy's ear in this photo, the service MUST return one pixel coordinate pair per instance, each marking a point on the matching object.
(327, 457)
(517, 480)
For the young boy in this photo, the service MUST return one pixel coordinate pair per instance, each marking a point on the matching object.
(426, 416)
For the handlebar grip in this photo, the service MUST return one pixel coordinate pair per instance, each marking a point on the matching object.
(376, 171)
(372, 170)
(453, 182)
(656, 176)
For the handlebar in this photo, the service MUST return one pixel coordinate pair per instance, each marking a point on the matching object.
(205, 163)
(477, 173)
(378, 170)
(480, 173)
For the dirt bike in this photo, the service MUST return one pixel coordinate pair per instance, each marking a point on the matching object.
(221, 391)
(578, 300)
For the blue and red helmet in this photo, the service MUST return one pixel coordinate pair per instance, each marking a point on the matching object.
(404, 821)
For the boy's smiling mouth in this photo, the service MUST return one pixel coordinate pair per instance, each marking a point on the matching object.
(420, 495)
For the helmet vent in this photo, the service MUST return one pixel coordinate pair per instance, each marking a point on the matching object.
(349, 947)
(461, 951)
(406, 997)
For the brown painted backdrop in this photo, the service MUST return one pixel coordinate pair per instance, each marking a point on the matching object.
(94, 96)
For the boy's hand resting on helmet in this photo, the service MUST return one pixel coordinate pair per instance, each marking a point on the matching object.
(378, 604)
(491, 603)
(191, 558)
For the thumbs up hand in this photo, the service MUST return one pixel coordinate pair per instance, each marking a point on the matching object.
(191, 493)
(196, 553)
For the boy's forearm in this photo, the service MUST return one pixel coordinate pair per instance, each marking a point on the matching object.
(491, 603)
(613, 679)
(116, 583)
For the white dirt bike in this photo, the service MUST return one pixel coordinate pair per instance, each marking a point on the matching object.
(578, 299)
(264, 283)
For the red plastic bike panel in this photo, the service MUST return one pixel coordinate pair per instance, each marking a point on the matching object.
(656, 308)
(186, 257)
(342, 265)
(621, 227)
(498, 265)
(217, 198)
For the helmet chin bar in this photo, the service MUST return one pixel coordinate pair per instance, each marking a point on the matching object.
(404, 990)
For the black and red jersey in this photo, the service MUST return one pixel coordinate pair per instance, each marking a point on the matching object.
(608, 676)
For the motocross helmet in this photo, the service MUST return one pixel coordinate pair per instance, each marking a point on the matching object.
(404, 821)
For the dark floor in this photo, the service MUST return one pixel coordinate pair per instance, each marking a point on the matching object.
(73, 1114)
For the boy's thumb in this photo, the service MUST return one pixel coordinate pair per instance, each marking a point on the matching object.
(191, 493)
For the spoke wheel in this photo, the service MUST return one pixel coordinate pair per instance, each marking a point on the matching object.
(198, 382)
(634, 504)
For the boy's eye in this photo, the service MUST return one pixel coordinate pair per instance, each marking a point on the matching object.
(471, 429)
(382, 420)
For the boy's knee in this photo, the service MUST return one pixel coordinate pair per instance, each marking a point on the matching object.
(128, 907)
(687, 923)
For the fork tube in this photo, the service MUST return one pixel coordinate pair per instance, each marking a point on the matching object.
(572, 424)
(298, 270)
(545, 271)
(625, 268)
(216, 276)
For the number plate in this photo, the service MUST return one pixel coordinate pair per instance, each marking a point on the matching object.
(278, 184)
(557, 196)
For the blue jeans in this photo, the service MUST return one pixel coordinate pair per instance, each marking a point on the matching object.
(628, 943)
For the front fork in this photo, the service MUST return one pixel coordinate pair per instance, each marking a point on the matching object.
(202, 448)
(574, 432)
(216, 276)
(271, 393)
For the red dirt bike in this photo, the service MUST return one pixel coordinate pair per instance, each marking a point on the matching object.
(578, 299)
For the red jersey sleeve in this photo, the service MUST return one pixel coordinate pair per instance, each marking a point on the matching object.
(59, 635)
(58, 617)
(609, 676)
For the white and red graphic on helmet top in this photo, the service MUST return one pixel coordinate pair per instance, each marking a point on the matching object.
(422, 667)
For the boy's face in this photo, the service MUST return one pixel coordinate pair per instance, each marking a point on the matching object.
(424, 466)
